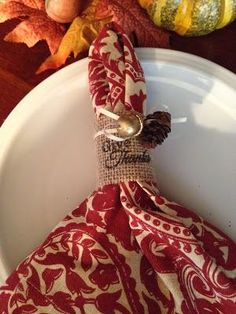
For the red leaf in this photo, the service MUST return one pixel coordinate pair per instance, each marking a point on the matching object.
(40, 252)
(137, 101)
(36, 296)
(86, 260)
(77, 236)
(62, 302)
(76, 284)
(106, 302)
(5, 297)
(17, 297)
(99, 254)
(132, 18)
(25, 309)
(58, 258)
(75, 250)
(87, 243)
(95, 217)
(64, 242)
(54, 246)
(23, 269)
(34, 278)
(110, 199)
(104, 275)
(49, 276)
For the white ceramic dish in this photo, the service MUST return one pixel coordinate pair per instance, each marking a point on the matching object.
(47, 158)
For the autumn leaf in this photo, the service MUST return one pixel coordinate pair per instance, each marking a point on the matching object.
(36, 24)
(78, 38)
(134, 19)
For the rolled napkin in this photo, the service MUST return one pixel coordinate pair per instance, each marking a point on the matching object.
(126, 248)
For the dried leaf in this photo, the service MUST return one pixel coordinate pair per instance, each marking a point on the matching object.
(78, 38)
(36, 24)
(134, 19)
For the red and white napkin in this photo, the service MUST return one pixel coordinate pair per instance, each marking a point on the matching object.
(126, 249)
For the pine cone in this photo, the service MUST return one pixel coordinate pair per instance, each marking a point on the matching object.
(156, 127)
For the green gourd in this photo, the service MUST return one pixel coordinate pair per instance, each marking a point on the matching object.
(191, 17)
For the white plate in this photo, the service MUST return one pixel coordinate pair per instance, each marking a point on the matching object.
(47, 157)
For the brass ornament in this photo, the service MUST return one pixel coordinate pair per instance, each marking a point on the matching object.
(130, 124)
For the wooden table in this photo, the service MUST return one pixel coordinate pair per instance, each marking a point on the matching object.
(19, 63)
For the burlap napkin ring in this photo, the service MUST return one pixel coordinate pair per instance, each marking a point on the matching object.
(122, 143)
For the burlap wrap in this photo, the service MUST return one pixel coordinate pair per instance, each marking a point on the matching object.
(120, 161)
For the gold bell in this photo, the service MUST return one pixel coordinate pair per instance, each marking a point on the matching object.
(129, 125)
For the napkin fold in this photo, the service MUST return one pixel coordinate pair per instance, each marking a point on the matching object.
(126, 248)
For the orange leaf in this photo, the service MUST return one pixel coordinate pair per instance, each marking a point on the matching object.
(134, 19)
(36, 25)
(78, 38)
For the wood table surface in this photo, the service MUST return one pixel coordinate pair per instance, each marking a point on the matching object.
(18, 63)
